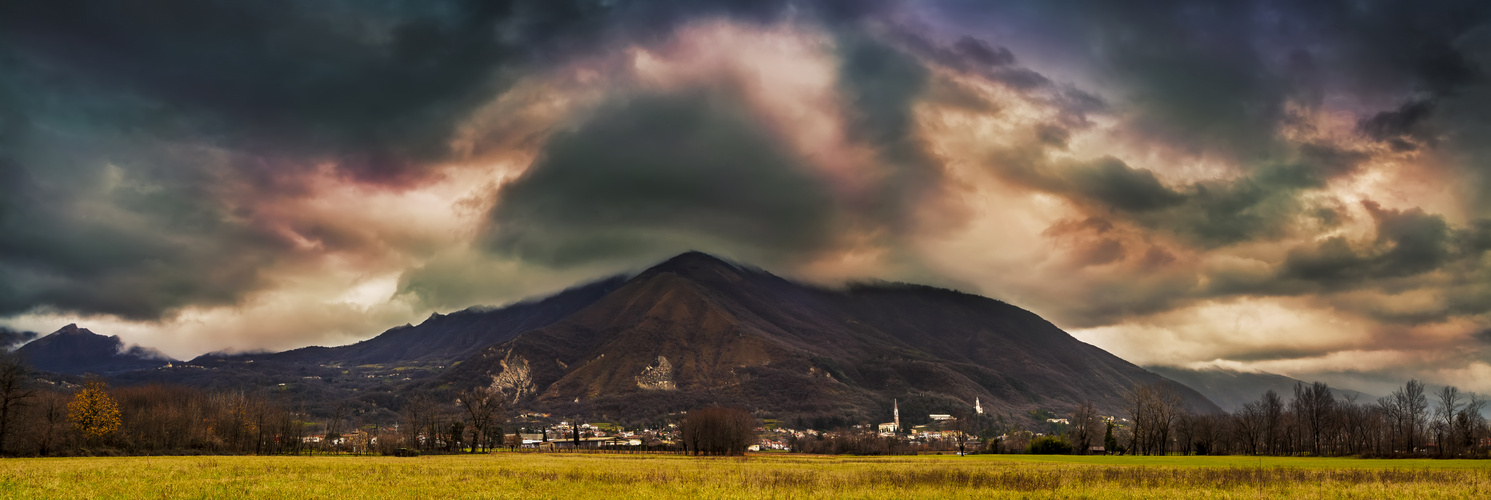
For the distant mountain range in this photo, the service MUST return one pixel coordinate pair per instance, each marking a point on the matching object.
(1232, 389)
(77, 351)
(691, 331)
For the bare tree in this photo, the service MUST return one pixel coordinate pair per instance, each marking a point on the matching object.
(1412, 412)
(1444, 419)
(334, 427)
(50, 429)
(1209, 434)
(1153, 409)
(1137, 403)
(1313, 407)
(1272, 408)
(515, 441)
(15, 391)
(1471, 424)
(1085, 428)
(482, 405)
(413, 419)
(1249, 424)
(718, 431)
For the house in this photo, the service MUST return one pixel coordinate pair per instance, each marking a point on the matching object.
(940, 417)
(531, 440)
(596, 442)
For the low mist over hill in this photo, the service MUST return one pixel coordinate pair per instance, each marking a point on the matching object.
(77, 351)
(1232, 389)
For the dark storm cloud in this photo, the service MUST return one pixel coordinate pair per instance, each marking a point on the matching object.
(377, 88)
(656, 174)
(150, 243)
(1408, 243)
(882, 83)
(1190, 74)
(1398, 43)
(1412, 251)
(1193, 72)
(975, 56)
(1398, 125)
(374, 91)
(651, 173)
(1263, 205)
(136, 140)
(1215, 76)
(1216, 79)
(1115, 184)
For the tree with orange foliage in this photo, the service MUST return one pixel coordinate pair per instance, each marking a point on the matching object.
(92, 412)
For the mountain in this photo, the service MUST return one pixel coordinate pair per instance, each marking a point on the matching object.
(10, 339)
(444, 337)
(697, 330)
(76, 351)
(1232, 389)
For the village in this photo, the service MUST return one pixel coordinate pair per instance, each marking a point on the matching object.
(533, 431)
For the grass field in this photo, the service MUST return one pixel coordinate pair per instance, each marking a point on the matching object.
(774, 476)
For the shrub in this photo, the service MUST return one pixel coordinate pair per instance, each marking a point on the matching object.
(1049, 445)
(718, 431)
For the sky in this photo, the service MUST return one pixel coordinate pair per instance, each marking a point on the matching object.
(1295, 187)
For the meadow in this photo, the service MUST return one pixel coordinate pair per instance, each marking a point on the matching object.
(529, 475)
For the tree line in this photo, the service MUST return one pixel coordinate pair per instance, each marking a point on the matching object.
(1409, 422)
(91, 418)
(41, 417)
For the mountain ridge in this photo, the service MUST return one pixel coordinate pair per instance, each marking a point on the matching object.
(444, 337)
(736, 333)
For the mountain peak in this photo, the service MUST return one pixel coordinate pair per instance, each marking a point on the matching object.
(72, 329)
(77, 350)
(695, 264)
(695, 257)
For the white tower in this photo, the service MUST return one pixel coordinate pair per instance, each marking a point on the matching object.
(977, 408)
(896, 413)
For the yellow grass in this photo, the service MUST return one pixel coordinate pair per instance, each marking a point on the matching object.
(764, 476)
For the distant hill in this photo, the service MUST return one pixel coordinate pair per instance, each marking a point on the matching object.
(698, 330)
(11, 339)
(77, 351)
(1232, 389)
(444, 337)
